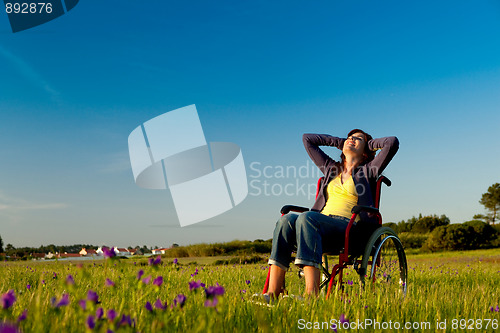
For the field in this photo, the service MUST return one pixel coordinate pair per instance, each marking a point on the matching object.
(447, 292)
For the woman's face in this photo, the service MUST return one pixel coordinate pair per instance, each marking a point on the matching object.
(354, 145)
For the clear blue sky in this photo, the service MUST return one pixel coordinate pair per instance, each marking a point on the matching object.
(261, 74)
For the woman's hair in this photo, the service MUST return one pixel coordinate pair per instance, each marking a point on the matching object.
(368, 154)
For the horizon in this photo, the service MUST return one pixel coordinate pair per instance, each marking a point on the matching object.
(260, 74)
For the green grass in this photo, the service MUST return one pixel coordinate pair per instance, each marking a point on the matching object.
(442, 286)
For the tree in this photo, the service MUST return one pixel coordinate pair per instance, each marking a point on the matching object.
(451, 237)
(482, 217)
(428, 223)
(491, 201)
(1, 245)
(486, 234)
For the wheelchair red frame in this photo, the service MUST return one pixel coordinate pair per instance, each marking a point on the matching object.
(344, 258)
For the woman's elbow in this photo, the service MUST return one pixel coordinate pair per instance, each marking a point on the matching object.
(394, 143)
(306, 137)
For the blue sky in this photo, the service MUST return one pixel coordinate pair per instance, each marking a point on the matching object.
(261, 74)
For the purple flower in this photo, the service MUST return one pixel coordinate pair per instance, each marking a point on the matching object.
(158, 281)
(147, 279)
(343, 319)
(125, 320)
(175, 261)
(180, 300)
(28, 286)
(349, 282)
(109, 283)
(497, 309)
(70, 280)
(54, 276)
(22, 316)
(247, 281)
(8, 299)
(108, 252)
(92, 296)
(193, 285)
(140, 274)
(160, 305)
(154, 261)
(111, 314)
(213, 291)
(99, 313)
(8, 328)
(211, 303)
(243, 291)
(43, 281)
(83, 304)
(90, 322)
(62, 302)
(148, 306)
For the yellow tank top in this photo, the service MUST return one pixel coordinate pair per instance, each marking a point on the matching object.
(341, 198)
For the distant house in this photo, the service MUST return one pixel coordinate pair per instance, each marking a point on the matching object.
(37, 255)
(160, 251)
(87, 253)
(99, 251)
(121, 251)
(69, 255)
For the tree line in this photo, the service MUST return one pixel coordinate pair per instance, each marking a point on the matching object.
(435, 233)
(429, 233)
(26, 252)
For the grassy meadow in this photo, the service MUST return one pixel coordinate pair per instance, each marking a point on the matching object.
(134, 295)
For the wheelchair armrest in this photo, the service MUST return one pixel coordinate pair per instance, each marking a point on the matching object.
(291, 208)
(358, 209)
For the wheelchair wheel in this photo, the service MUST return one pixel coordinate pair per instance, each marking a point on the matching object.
(387, 268)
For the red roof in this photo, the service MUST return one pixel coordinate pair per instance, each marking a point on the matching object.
(69, 255)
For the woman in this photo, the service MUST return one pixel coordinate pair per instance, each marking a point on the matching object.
(322, 229)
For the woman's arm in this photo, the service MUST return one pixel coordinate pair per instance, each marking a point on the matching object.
(388, 147)
(318, 156)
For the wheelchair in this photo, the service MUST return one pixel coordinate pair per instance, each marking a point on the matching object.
(375, 252)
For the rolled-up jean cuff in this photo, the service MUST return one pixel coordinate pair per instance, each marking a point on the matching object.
(274, 262)
(307, 263)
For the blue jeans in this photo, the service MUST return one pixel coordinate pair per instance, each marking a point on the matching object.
(311, 234)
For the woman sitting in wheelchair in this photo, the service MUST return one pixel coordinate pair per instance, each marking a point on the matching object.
(322, 229)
